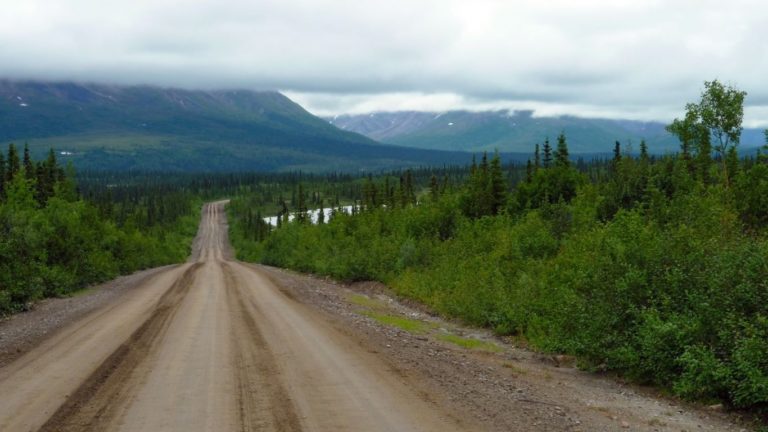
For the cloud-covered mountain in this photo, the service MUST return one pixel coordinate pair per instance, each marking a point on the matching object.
(509, 131)
(112, 127)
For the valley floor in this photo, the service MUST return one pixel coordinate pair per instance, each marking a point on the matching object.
(216, 344)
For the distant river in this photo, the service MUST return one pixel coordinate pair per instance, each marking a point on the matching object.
(272, 220)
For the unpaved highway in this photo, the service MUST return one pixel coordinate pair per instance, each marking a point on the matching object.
(219, 345)
(211, 345)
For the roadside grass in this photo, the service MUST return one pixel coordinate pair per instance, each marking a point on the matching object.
(469, 343)
(81, 292)
(376, 309)
(406, 324)
(366, 301)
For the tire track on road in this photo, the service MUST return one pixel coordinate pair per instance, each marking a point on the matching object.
(263, 401)
(96, 401)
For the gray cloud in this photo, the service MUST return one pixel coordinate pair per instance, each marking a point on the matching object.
(640, 58)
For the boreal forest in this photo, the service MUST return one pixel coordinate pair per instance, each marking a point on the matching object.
(650, 266)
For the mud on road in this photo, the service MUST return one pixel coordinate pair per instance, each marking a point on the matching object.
(215, 344)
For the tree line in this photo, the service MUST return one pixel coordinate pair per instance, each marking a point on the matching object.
(54, 240)
(655, 267)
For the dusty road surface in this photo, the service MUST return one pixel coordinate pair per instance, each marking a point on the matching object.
(218, 345)
(210, 345)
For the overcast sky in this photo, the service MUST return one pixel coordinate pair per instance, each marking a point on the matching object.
(612, 58)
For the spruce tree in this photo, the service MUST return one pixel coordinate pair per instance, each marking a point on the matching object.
(529, 172)
(41, 187)
(762, 154)
(2, 176)
(481, 188)
(444, 185)
(617, 152)
(50, 173)
(259, 222)
(561, 154)
(301, 207)
(536, 158)
(389, 194)
(643, 151)
(399, 197)
(30, 171)
(497, 189)
(434, 188)
(13, 163)
(367, 194)
(321, 214)
(373, 195)
(410, 195)
(285, 213)
(547, 154)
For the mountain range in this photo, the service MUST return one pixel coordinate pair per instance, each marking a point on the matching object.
(151, 128)
(512, 131)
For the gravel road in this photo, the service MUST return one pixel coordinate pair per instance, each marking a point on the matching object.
(216, 344)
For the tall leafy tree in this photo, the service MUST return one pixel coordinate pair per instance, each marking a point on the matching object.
(722, 112)
(716, 118)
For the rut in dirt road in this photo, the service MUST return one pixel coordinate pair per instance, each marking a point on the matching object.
(211, 344)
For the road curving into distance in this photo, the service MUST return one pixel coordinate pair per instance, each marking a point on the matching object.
(209, 345)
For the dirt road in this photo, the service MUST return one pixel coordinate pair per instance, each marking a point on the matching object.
(210, 345)
(218, 345)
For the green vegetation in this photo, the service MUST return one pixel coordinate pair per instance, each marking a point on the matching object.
(365, 302)
(469, 343)
(149, 128)
(656, 268)
(53, 242)
(406, 324)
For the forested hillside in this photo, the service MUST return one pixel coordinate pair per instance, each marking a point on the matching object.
(653, 267)
(150, 128)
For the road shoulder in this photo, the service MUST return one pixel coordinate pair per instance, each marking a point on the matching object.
(21, 332)
(469, 370)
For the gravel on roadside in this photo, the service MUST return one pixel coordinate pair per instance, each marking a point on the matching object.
(22, 331)
(505, 389)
